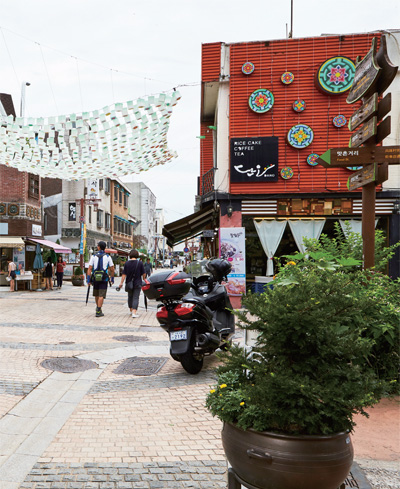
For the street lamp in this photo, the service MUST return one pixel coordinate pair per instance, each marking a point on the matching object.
(22, 108)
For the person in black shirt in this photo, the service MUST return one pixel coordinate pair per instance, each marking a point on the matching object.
(133, 273)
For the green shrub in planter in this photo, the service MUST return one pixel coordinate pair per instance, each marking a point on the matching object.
(315, 363)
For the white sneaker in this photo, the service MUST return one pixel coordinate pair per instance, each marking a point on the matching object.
(135, 315)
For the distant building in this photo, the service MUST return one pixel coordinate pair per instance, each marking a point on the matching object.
(143, 207)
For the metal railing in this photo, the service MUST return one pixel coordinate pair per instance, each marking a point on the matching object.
(207, 182)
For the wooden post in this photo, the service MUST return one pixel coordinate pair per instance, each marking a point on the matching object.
(368, 225)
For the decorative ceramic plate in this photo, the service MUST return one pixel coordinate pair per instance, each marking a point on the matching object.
(335, 75)
(300, 136)
(299, 105)
(311, 159)
(261, 100)
(287, 78)
(287, 172)
(339, 121)
(248, 68)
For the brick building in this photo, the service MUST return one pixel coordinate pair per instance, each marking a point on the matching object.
(267, 108)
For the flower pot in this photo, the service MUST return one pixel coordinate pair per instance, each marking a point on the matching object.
(273, 461)
(77, 281)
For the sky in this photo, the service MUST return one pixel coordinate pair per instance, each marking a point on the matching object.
(82, 55)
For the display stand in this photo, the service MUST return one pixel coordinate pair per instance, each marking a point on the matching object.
(235, 482)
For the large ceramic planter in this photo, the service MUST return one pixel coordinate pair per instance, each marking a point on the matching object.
(272, 461)
(77, 281)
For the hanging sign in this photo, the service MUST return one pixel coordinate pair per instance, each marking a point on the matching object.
(254, 159)
(72, 211)
(232, 247)
(92, 188)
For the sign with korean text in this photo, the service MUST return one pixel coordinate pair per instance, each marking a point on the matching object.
(363, 177)
(72, 211)
(92, 188)
(367, 131)
(344, 157)
(254, 159)
(232, 247)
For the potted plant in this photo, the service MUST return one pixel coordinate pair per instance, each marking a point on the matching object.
(288, 403)
(78, 278)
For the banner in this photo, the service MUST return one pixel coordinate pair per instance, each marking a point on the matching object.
(92, 185)
(83, 239)
(232, 247)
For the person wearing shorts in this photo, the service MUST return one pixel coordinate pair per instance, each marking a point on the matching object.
(12, 274)
(100, 288)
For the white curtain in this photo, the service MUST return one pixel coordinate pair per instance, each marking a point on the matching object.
(270, 233)
(305, 228)
(355, 225)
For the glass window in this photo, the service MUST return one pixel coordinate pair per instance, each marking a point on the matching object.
(115, 193)
(120, 196)
(33, 186)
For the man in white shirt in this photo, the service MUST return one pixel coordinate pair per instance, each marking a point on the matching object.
(100, 271)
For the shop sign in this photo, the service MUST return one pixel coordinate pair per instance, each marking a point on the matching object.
(72, 211)
(92, 188)
(30, 248)
(254, 160)
(36, 230)
(232, 247)
(208, 233)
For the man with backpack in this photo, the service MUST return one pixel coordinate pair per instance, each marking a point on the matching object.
(101, 272)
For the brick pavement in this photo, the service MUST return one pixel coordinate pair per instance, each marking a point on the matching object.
(103, 430)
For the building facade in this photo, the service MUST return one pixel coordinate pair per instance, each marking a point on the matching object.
(268, 110)
(143, 208)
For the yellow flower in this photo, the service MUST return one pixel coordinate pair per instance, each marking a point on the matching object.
(272, 374)
(212, 391)
(291, 263)
(242, 403)
(222, 386)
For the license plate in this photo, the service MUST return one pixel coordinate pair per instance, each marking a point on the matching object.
(178, 335)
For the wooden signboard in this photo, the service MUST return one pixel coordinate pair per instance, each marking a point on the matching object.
(389, 71)
(368, 109)
(366, 76)
(344, 157)
(367, 131)
(363, 177)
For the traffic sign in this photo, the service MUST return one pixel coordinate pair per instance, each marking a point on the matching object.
(363, 177)
(186, 250)
(344, 157)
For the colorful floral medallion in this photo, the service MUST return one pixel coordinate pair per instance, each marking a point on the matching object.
(287, 78)
(336, 75)
(300, 136)
(299, 105)
(312, 159)
(248, 68)
(287, 173)
(354, 168)
(261, 100)
(339, 121)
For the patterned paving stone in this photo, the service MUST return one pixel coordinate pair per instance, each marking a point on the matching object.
(195, 474)
(15, 388)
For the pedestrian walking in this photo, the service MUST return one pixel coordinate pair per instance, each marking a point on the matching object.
(12, 267)
(133, 273)
(148, 268)
(48, 272)
(60, 267)
(101, 273)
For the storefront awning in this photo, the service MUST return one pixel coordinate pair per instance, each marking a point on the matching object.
(50, 244)
(176, 232)
(11, 242)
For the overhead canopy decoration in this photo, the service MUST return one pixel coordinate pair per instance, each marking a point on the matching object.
(119, 139)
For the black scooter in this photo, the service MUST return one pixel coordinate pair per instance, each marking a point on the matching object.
(196, 313)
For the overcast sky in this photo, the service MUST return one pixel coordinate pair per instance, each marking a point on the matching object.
(66, 50)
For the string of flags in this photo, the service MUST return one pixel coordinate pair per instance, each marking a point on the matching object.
(119, 139)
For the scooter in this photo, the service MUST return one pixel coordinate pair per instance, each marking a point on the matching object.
(196, 313)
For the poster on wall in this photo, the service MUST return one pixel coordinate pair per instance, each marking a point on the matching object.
(92, 188)
(254, 159)
(232, 247)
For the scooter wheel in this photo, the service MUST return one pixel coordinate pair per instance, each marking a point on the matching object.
(190, 363)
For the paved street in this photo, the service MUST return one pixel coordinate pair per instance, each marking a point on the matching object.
(105, 428)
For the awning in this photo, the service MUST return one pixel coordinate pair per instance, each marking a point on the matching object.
(176, 232)
(11, 242)
(50, 244)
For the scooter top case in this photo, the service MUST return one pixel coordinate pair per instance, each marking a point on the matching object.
(166, 285)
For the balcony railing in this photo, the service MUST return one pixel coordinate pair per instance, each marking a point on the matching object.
(207, 183)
